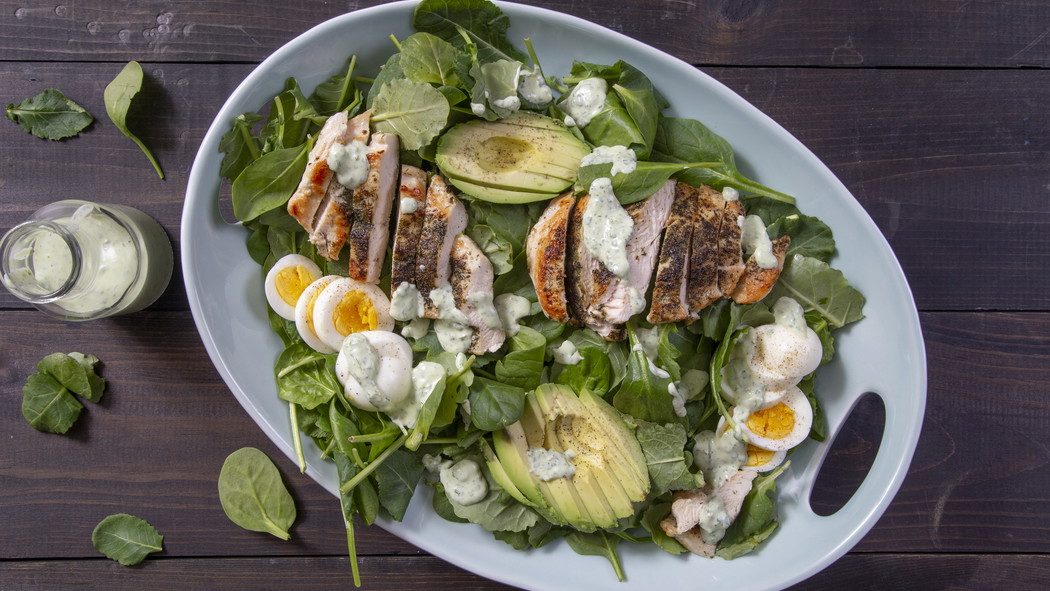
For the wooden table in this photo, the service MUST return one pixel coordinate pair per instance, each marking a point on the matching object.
(935, 114)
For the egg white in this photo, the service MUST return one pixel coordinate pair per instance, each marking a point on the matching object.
(393, 377)
(328, 301)
(280, 306)
(304, 314)
(774, 461)
(803, 421)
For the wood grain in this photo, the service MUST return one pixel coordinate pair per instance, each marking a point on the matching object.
(928, 154)
(943, 33)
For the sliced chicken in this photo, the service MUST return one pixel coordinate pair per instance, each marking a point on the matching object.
(309, 199)
(444, 219)
(687, 510)
(370, 210)
(545, 251)
(730, 250)
(702, 281)
(412, 193)
(586, 278)
(471, 280)
(757, 282)
(669, 291)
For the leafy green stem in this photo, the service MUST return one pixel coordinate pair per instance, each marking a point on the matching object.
(297, 437)
(367, 470)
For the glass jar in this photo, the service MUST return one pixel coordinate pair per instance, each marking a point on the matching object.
(78, 260)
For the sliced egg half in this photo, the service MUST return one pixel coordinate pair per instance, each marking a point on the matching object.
(286, 281)
(304, 314)
(782, 356)
(781, 426)
(380, 387)
(347, 306)
(763, 460)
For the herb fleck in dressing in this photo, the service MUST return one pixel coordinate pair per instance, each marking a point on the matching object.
(606, 228)
(349, 162)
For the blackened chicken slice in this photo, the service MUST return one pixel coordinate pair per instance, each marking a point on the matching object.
(471, 281)
(370, 211)
(669, 290)
(443, 220)
(730, 250)
(545, 251)
(586, 278)
(308, 202)
(758, 282)
(702, 282)
(412, 205)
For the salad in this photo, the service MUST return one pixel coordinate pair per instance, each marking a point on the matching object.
(567, 312)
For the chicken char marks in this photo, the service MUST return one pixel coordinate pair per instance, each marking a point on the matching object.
(471, 279)
(371, 206)
(444, 219)
(545, 250)
(413, 190)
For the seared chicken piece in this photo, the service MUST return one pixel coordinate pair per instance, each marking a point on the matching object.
(586, 278)
(471, 281)
(702, 281)
(308, 201)
(413, 191)
(545, 250)
(370, 210)
(686, 510)
(757, 282)
(669, 291)
(730, 250)
(444, 219)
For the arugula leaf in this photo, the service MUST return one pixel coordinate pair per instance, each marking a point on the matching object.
(819, 288)
(338, 92)
(688, 140)
(48, 406)
(253, 495)
(484, 23)
(397, 478)
(268, 182)
(126, 538)
(494, 405)
(599, 543)
(415, 111)
(118, 96)
(428, 58)
(238, 146)
(50, 115)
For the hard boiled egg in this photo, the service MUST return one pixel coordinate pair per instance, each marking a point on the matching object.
(781, 426)
(346, 306)
(762, 460)
(304, 314)
(375, 368)
(285, 283)
(782, 355)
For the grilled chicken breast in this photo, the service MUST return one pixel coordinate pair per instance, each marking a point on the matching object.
(471, 280)
(413, 194)
(370, 209)
(686, 510)
(669, 291)
(545, 251)
(586, 278)
(308, 202)
(757, 282)
(730, 250)
(444, 219)
(702, 281)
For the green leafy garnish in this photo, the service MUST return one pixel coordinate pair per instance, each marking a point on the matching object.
(415, 111)
(819, 288)
(48, 401)
(118, 96)
(482, 21)
(253, 495)
(50, 115)
(126, 538)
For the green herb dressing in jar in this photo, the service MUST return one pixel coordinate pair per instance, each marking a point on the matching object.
(78, 260)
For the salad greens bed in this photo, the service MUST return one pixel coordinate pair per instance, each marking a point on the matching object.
(461, 58)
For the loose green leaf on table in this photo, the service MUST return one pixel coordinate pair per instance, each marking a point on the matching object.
(50, 115)
(253, 495)
(126, 538)
(118, 96)
(48, 401)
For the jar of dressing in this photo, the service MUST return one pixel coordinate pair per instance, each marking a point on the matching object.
(78, 260)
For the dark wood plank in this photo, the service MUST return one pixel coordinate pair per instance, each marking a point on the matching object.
(983, 33)
(862, 572)
(952, 165)
(155, 445)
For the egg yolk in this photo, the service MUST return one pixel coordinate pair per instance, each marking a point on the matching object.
(758, 457)
(773, 423)
(355, 313)
(291, 281)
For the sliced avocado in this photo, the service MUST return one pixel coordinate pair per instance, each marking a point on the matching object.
(590, 493)
(592, 467)
(499, 474)
(632, 466)
(523, 158)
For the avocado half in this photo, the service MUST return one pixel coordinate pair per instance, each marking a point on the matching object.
(523, 158)
(611, 473)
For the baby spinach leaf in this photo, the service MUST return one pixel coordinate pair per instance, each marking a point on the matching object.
(268, 182)
(415, 111)
(397, 478)
(238, 146)
(613, 126)
(305, 376)
(253, 495)
(643, 394)
(819, 288)
(495, 82)
(118, 96)
(599, 543)
(126, 538)
(50, 115)
(96, 383)
(427, 413)
(48, 406)
(651, 519)
(497, 512)
(593, 372)
(688, 140)
(499, 251)
(757, 518)
(523, 365)
(391, 70)
(639, 184)
(809, 236)
(338, 93)
(291, 119)
(484, 23)
(494, 405)
(428, 58)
